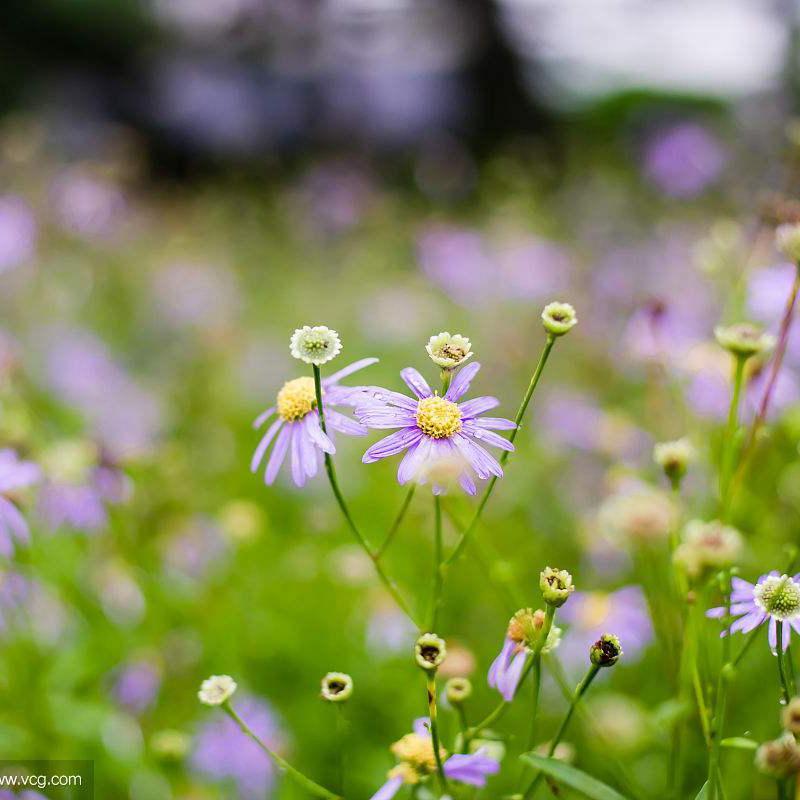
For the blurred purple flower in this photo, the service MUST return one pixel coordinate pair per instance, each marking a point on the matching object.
(591, 614)
(14, 475)
(17, 232)
(86, 205)
(767, 292)
(195, 546)
(83, 505)
(137, 684)
(472, 769)
(125, 417)
(683, 159)
(221, 751)
(660, 331)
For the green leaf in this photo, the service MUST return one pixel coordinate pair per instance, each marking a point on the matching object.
(703, 793)
(739, 743)
(574, 778)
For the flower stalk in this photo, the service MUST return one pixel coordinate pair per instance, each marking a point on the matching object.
(434, 717)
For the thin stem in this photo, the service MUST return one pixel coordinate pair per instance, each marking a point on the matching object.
(462, 542)
(390, 585)
(785, 688)
(463, 725)
(297, 776)
(723, 682)
(728, 447)
(436, 599)
(777, 361)
(341, 736)
(433, 714)
(398, 521)
(579, 692)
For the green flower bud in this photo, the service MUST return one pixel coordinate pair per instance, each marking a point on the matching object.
(336, 687)
(787, 240)
(606, 651)
(779, 758)
(791, 716)
(556, 586)
(559, 318)
(743, 339)
(457, 690)
(430, 651)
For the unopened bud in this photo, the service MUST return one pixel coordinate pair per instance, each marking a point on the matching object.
(336, 687)
(779, 758)
(457, 690)
(430, 651)
(559, 318)
(606, 651)
(556, 586)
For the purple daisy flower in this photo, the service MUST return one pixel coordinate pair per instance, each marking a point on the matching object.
(415, 753)
(14, 475)
(773, 597)
(436, 430)
(297, 428)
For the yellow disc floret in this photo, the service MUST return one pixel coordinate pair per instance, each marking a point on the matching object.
(438, 417)
(417, 752)
(296, 399)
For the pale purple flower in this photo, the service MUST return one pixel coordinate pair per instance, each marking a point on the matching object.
(87, 205)
(684, 159)
(469, 768)
(506, 670)
(17, 232)
(137, 684)
(436, 429)
(297, 430)
(590, 614)
(773, 597)
(221, 752)
(14, 475)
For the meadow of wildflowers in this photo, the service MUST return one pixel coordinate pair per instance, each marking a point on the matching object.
(331, 487)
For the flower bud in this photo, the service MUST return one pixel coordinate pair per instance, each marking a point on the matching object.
(336, 687)
(791, 716)
(743, 339)
(316, 345)
(556, 586)
(559, 318)
(787, 240)
(606, 651)
(707, 546)
(779, 758)
(457, 690)
(216, 690)
(430, 651)
(674, 458)
(449, 351)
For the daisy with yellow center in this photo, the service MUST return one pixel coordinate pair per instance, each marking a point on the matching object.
(434, 429)
(297, 432)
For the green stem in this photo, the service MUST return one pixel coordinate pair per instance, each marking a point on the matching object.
(398, 521)
(786, 689)
(579, 692)
(341, 737)
(729, 445)
(465, 536)
(390, 585)
(463, 726)
(433, 714)
(436, 598)
(723, 682)
(297, 776)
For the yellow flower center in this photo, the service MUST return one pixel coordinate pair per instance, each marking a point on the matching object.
(438, 417)
(417, 752)
(296, 398)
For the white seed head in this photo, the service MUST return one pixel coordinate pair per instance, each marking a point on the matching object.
(315, 345)
(214, 691)
(449, 351)
(638, 516)
(707, 546)
(559, 318)
(744, 339)
(779, 758)
(674, 457)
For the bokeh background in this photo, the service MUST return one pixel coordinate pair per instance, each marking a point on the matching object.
(184, 182)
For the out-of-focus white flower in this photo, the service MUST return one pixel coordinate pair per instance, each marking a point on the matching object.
(214, 691)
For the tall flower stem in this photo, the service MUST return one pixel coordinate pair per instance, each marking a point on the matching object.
(463, 725)
(341, 737)
(537, 374)
(301, 780)
(775, 368)
(398, 521)
(436, 598)
(390, 585)
(435, 740)
(723, 683)
(782, 675)
(729, 444)
(581, 690)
